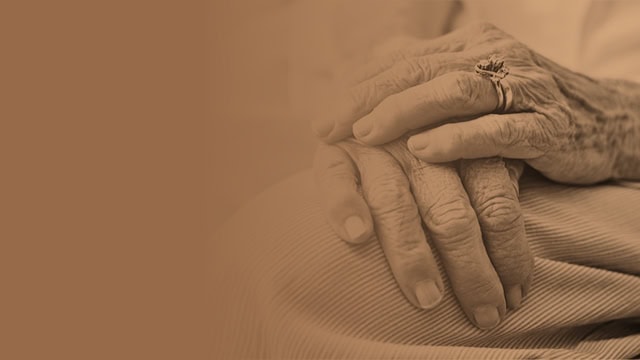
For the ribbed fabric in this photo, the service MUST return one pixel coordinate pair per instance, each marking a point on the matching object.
(287, 287)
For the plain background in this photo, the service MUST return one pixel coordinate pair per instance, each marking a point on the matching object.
(255, 141)
(130, 129)
(103, 110)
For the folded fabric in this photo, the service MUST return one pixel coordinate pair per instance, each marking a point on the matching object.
(286, 287)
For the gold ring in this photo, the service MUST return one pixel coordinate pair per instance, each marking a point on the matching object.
(495, 70)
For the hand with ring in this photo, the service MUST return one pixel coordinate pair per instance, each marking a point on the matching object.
(474, 93)
(569, 127)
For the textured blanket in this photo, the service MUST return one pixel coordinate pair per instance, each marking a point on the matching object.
(286, 287)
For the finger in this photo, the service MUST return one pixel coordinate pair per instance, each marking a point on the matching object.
(398, 225)
(452, 95)
(516, 169)
(517, 136)
(337, 180)
(451, 221)
(493, 193)
(361, 99)
(404, 70)
(454, 228)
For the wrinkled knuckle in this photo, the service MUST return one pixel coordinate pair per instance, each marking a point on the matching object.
(554, 123)
(451, 219)
(387, 197)
(397, 213)
(508, 135)
(405, 73)
(465, 90)
(417, 168)
(426, 67)
(392, 209)
(543, 134)
(499, 214)
(398, 150)
(541, 89)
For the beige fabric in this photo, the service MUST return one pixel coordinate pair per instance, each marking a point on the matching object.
(287, 287)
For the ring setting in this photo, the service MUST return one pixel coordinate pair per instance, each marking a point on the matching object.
(495, 70)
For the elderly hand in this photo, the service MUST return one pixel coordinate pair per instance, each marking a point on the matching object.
(567, 126)
(384, 192)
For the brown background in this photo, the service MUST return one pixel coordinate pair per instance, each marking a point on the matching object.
(255, 141)
(103, 116)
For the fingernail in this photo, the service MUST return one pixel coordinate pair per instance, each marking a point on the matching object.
(363, 127)
(486, 316)
(322, 128)
(415, 144)
(514, 297)
(354, 227)
(428, 294)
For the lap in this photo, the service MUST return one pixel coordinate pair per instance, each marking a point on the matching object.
(288, 287)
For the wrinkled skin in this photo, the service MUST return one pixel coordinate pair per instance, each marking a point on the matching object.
(570, 127)
(567, 126)
(393, 192)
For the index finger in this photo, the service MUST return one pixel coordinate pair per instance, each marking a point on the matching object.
(357, 101)
(400, 71)
(450, 96)
(398, 225)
